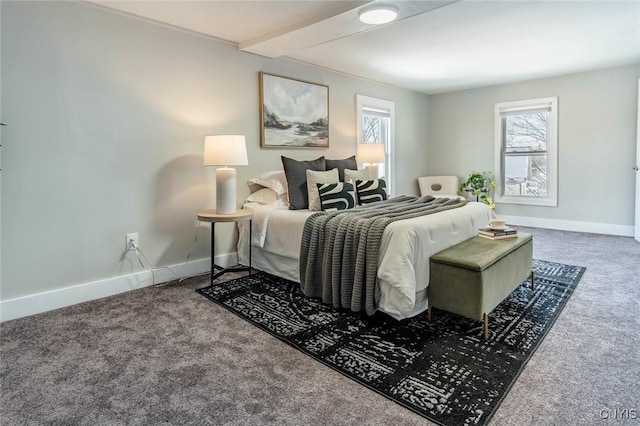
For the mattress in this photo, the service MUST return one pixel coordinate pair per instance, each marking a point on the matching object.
(403, 263)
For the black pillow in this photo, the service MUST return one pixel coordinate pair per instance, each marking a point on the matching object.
(347, 163)
(370, 191)
(296, 173)
(337, 196)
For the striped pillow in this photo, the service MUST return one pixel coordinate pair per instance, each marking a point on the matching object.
(336, 196)
(370, 191)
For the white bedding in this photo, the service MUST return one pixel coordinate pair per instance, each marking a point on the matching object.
(403, 264)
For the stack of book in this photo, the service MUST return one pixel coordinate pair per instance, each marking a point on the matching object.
(497, 234)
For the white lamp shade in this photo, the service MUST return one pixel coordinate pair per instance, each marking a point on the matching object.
(225, 150)
(370, 153)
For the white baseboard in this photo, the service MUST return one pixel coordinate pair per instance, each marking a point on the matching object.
(42, 302)
(570, 225)
(59, 298)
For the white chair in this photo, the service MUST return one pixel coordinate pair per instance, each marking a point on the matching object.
(439, 186)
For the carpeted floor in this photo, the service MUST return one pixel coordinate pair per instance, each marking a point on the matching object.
(441, 368)
(169, 356)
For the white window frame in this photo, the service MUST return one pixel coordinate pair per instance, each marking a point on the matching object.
(367, 102)
(550, 104)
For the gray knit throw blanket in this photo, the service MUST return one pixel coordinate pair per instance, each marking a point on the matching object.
(339, 252)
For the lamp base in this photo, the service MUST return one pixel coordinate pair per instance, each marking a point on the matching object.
(225, 190)
(373, 171)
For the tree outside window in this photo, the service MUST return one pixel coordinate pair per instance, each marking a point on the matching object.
(376, 119)
(526, 152)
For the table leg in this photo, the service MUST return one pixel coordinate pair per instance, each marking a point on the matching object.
(222, 271)
(213, 254)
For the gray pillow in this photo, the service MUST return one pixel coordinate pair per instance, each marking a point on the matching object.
(296, 174)
(347, 163)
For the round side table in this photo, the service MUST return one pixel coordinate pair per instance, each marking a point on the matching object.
(213, 217)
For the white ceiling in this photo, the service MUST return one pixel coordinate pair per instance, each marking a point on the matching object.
(434, 46)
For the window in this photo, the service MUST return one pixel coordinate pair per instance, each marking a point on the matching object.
(376, 118)
(526, 152)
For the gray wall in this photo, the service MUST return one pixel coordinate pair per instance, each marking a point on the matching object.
(596, 141)
(107, 117)
(1, 127)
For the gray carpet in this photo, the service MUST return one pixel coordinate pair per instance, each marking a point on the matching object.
(441, 368)
(169, 356)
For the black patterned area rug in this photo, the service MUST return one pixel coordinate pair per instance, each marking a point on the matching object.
(441, 369)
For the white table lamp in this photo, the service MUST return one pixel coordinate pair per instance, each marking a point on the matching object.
(371, 154)
(225, 150)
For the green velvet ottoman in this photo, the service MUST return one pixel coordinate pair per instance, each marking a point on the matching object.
(473, 277)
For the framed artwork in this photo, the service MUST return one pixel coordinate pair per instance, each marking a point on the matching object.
(293, 113)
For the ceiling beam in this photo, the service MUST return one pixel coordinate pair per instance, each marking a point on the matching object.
(324, 29)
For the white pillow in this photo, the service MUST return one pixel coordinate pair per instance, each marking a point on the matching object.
(313, 179)
(275, 180)
(267, 196)
(354, 175)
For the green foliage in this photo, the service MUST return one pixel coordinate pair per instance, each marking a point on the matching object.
(480, 185)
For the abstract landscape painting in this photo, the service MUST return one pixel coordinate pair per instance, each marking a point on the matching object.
(293, 113)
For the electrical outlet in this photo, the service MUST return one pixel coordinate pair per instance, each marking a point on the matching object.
(131, 241)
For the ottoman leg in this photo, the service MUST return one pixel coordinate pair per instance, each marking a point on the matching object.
(533, 281)
(485, 326)
(429, 313)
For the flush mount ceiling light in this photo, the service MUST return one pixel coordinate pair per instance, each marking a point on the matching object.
(377, 15)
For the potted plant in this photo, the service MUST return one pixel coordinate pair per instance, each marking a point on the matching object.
(480, 185)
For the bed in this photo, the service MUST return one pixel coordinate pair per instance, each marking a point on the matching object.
(403, 261)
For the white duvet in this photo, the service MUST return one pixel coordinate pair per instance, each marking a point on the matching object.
(403, 264)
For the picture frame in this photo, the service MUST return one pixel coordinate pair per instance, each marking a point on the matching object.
(293, 113)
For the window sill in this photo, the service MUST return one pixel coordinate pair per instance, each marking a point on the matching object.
(528, 201)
